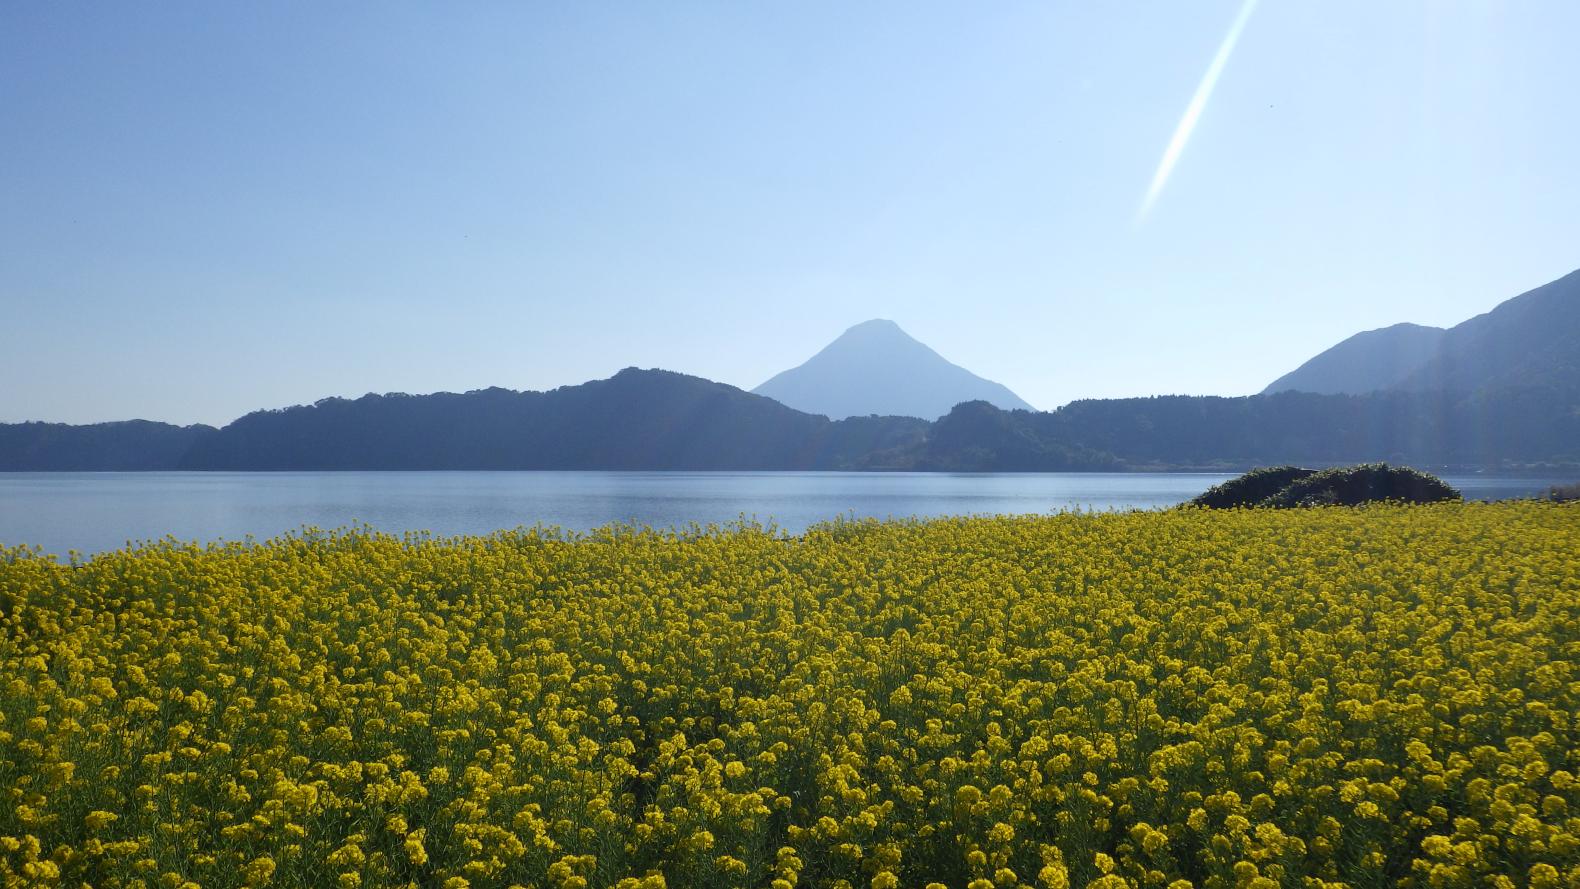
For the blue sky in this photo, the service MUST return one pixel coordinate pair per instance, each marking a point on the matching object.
(207, 208)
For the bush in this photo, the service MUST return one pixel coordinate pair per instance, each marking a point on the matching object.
(1366, 483)
(1564, 493)
(1283, 487)
(1252, 488)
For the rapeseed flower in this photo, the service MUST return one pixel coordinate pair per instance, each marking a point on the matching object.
(1381, 696)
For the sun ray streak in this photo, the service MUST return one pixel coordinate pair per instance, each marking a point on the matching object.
(1193, 111)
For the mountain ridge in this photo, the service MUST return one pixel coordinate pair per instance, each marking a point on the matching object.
(1530, 337)
(662, 420)
(636, 419)
(1508, 396)
(1368, 361)
(1528, 340)
(112, 446)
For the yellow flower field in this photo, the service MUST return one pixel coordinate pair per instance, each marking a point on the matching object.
(1374, 697)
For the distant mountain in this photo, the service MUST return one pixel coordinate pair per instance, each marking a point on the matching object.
(654, 420)
(121, 446)
(637, 419)
(1529, 342)
(1366, 362)
(877, 368)
(1501, 389)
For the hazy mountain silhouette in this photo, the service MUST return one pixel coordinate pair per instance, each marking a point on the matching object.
(653, 420)
(121, 446)
(1501, 389)
(877, 368)
(637, 419)
(1366, 362)
(1531, 341)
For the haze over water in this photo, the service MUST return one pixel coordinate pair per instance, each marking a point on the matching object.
(93, 512)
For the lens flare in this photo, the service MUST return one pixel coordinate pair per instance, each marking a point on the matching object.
(1193, 111)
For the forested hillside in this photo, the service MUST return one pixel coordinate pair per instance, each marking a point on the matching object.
(655, 420)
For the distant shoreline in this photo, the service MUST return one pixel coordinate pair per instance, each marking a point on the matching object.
(1522, 471)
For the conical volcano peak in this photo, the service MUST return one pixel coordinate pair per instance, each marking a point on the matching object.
(876, 367)
(877, 326)
(879, 333)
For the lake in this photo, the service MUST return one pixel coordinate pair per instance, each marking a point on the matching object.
(98, 511)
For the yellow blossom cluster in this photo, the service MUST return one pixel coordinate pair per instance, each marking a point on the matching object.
(1385, 696)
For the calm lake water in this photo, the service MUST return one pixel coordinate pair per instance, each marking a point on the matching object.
(97, 511)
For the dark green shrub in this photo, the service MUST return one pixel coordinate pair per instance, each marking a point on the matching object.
(1564, 493)
(1252, 488)
(1366, 483)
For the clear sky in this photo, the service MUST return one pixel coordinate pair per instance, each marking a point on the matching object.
(207, 208)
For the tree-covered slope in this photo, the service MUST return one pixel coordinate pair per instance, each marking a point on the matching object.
(121, 446)
(637, 419)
